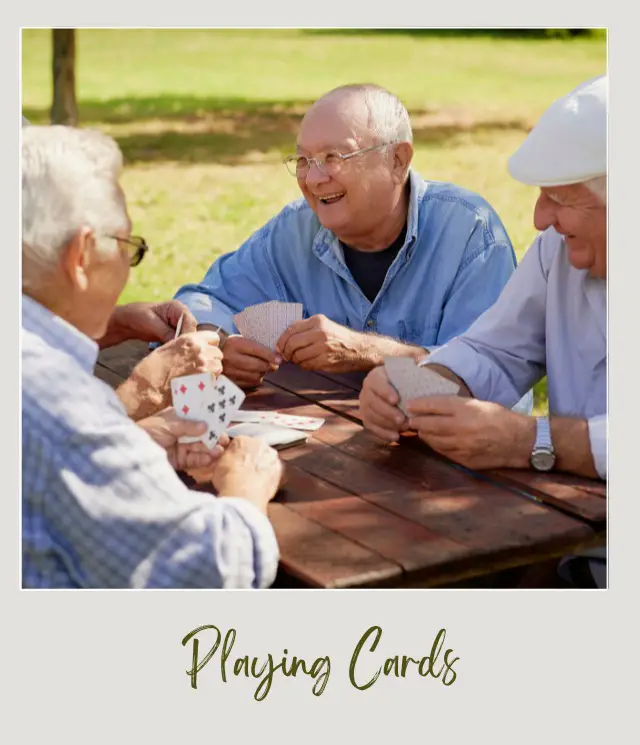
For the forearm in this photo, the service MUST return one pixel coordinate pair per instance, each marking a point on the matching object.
(139, 400)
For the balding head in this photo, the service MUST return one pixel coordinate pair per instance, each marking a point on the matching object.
(375, 113)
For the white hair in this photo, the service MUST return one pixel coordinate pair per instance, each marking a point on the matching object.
(388, 117)
(598, 186)
(69, 181)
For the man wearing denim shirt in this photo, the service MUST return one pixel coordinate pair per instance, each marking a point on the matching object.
(384, 262)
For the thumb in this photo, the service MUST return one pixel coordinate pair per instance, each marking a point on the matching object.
(186, 428)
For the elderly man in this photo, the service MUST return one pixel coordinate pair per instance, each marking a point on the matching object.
(101, 504)
(550, 318)
(147, 391)
(383, 262)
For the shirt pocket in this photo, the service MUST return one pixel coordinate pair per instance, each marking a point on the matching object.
(421, 333)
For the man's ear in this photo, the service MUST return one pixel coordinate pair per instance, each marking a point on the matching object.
(76, 257)
(402, 157)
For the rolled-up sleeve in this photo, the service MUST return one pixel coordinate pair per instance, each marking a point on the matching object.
(598, 441)
(502, 355)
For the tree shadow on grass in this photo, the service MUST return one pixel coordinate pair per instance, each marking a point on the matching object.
(171, 107)
(533, 34)
(236, 131)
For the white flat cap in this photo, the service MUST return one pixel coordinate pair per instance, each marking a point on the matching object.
(569, 143)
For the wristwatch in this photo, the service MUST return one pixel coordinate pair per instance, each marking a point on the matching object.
(543, 456)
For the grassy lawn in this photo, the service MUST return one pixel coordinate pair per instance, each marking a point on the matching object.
(204, 118)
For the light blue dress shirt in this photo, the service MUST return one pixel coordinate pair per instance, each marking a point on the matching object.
(101, 505)
(551, 318)
(455, 260)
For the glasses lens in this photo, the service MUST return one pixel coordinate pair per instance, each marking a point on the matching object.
(292, 164)
(141, 249)
(332, 164)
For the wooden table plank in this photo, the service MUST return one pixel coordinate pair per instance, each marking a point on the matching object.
(586, 498)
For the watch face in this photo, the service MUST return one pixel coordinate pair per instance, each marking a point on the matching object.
(543, 460)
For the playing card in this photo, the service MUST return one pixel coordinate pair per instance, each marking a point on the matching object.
(200, 398)
(221, 407)
(278, 437)
(283, 420)
(188, 394)
(266, 322)
(412, 381)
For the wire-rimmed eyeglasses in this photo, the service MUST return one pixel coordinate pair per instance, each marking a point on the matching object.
(329, 163)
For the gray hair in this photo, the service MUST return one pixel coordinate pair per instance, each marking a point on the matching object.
(598, 186)
(69, 181)
(388, 116)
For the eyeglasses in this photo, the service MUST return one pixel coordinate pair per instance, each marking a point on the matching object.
(330, 163)
(138, 243)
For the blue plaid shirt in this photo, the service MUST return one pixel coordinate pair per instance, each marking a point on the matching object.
(101, 505)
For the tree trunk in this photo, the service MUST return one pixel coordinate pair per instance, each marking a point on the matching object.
(64, 109)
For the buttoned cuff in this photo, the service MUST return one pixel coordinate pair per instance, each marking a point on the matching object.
(598, 439)
(482, 377)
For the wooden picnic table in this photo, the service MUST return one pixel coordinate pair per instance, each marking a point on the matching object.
(356, 512)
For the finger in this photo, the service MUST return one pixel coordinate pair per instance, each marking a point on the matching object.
(223, 441)
(206, 337)
(193, 459)
(437, 405)
(434, 425)
(382, 427)
(388, 435)
(389, 416)
(189, 323)
(297, 342)
(245, 363)
(250, 348)
(295, 328)
(244, 379)
(309, 352)
(186, 428)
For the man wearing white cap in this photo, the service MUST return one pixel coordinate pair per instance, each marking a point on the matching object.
(550, 319)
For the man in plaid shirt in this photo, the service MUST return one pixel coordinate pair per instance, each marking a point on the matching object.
(101, 503)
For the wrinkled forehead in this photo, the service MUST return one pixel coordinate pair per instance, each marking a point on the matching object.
(335, 122)
(569, 194)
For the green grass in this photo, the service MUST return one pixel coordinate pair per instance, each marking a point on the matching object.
(204, 118)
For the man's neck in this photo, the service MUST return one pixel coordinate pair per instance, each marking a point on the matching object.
(59, 307)
(386, 232)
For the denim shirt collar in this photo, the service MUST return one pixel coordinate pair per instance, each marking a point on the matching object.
(59, 333)
(326, 246)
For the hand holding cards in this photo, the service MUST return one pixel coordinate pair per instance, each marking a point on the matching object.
(201, 398)
(266, 322)
(411, 381)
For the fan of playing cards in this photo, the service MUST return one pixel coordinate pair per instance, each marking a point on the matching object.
(266, 322)
(217, 402)
(412, 381)
(201, 398)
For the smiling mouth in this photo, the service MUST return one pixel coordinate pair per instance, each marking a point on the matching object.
(330, 198)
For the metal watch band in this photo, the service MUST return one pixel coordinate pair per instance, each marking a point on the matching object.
(543, 434)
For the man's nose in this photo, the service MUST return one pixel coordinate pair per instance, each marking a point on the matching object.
(315, 175)
(543, 213)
